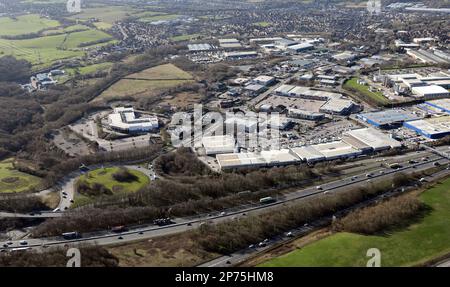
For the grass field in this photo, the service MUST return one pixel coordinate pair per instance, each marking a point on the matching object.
(12, 180)
(150, 16)
(185, 37)
(107, 14)
(147, 81)
(376, 97)
(43, 51)
(420, 242)
(103, 25)
(61, 30)
(104, 176)
(25, 24)
(90, 68)
(262, 24)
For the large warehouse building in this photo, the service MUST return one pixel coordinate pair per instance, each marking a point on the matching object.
(354, 143)
(433, 128)
(124, 120)
(387, 119)
(430, 92)
(218, 144)
(441, 104)
(372, 138)
(335, 103)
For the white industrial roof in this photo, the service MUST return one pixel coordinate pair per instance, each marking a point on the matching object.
(283, 156)
(337, 149)
(284, 89)
(337, 105)
(429, 90)
(264, 78)
(301, 46)
(125, 119)
(373, 138)
(218, 144)
(230, 40)
(308, 153)
(433, 125)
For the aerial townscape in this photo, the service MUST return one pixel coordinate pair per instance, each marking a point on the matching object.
(213, 133)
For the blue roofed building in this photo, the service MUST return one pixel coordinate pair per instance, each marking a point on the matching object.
(388, 119)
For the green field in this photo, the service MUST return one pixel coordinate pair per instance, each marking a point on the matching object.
(107, 14)
(376, 97)
(25, 25)
(420, 242)
(147, 81)
(104, 176)
(103, 25)
(43, 51)
(62, 30)
(185, 37)
(12, 180)
(90, 69)
(161, 17)
(263, 24)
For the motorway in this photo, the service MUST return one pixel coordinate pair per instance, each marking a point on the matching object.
(185, 224)
(243, 255)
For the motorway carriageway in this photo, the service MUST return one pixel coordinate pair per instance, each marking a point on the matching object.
(142, 233)
(366, 164)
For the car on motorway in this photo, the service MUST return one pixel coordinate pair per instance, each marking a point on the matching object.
(5, 245)
(422, 179)
(289, 234)
(262, 244)
(267, 200)
(223, 213)
(56, 209)
(411, 161)
(369, 175)
(163, 221)
(71, 235)
(23, 242)
(319, 187)
(437, 164)
(119, 229)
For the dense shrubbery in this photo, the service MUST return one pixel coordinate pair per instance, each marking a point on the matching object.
(12, 69)
(21, 203)
(181, 162)
(95, 189)
(91, 256)
(124, 175)
(374, 219)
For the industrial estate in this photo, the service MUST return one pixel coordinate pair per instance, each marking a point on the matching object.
(225, 133)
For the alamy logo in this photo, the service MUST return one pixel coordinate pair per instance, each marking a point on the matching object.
(375, 260)
(74, 6)
(75, 257)
(374, 6)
